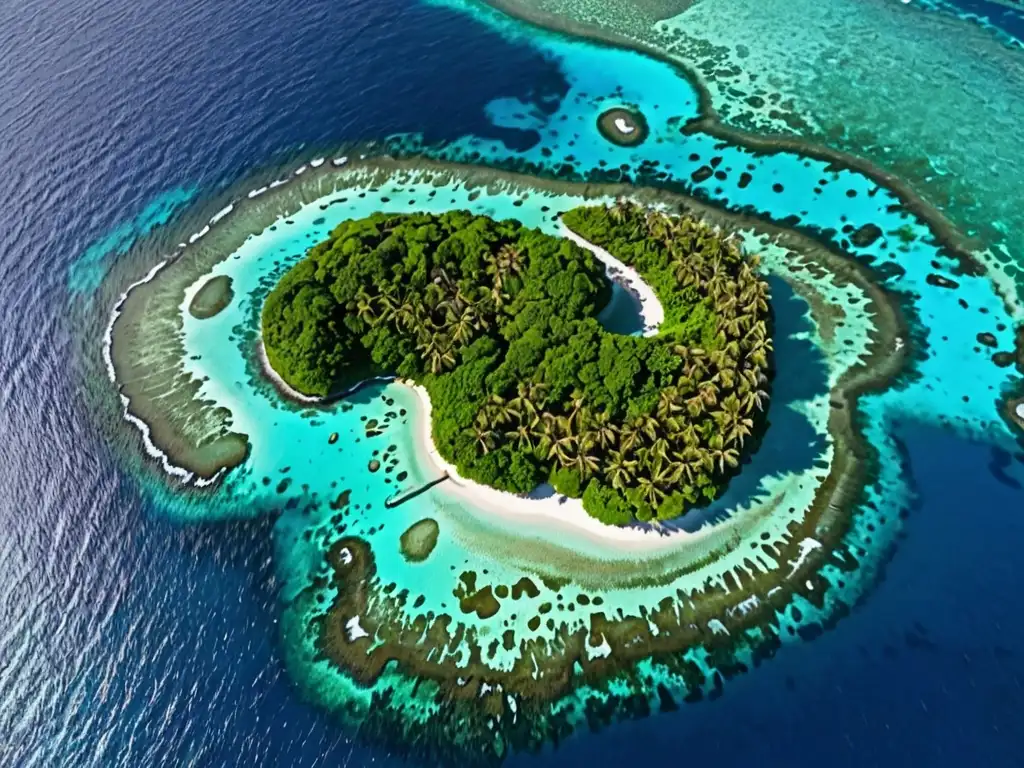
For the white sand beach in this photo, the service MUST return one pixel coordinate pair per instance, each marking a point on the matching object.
(651, 311)
(623, 126)
(545, 511)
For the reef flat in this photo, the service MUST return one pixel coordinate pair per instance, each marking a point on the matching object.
(356, 599)
(756, 88)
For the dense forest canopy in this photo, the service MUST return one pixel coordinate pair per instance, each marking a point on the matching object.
(498, 322)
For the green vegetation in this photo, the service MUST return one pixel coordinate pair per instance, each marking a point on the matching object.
(498, 323)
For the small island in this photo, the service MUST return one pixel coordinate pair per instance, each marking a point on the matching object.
(622, 126)
(498, 323)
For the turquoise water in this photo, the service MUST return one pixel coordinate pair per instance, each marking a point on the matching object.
(294, 463)
(293, 459)
(783, 187)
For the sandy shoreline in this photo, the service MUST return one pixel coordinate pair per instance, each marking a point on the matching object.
(651, 311)
(281, 385)
(550, 512)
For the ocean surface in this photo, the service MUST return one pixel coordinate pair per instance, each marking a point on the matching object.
(128, 639)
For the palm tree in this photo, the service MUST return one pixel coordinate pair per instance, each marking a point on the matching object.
(523, 435)
(483, 435)
(690, 463)
(619, 469)
(668, 403)
(755, 398)
(528, 395)
(604, 430)
(441, 359)
(665, 473)
(548, 432)
(734, 325)
(646, 425)
(658, 449)
(576, 401)
(363, 304)
(510, 259)
(739, 432)
(629, 437)
(708, 392)
(387, 300)
(463, 325)
(405, 315)
(695, 405)
(726, 375)
(621, 210)
(498, 296)
(501, 411)
(585, 462)
(758, 353)
(723, 457)
(436, 349)
(659, 227)
(652, 494)
(565, 442)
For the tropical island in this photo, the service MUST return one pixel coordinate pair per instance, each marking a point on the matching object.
(499, 324)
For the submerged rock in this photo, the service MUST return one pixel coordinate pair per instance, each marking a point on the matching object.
(215, 294)
(419, 540)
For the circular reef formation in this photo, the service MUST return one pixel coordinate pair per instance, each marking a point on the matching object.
(543, 524)
(624, 127)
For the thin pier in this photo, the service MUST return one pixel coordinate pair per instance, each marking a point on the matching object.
(401, 497)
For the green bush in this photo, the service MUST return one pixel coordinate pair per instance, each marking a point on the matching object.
(567, 482)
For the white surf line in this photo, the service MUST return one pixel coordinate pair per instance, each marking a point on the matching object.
(222, 213)
(108, 341)
(651, 311)
(151, 449)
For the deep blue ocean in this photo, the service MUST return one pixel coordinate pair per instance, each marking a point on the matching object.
(127, 640)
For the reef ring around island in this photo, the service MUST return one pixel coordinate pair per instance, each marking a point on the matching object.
(494, 596)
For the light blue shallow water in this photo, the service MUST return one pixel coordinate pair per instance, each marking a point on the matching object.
(131, 640)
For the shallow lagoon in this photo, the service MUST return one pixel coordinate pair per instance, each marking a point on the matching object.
(293, 463)
(957, 383)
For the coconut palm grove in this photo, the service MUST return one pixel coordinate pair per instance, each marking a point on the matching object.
(499, 323)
